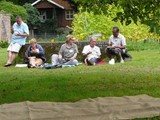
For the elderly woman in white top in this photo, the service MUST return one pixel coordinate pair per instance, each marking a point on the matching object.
(92, 52)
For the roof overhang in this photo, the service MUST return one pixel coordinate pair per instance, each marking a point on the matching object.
(52, 2)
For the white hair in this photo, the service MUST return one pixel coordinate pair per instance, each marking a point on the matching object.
(93, 38)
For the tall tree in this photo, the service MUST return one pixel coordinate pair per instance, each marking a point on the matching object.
(33, 18)
(148, 11)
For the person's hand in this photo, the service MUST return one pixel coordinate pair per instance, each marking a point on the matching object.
(18, 34)
(33, 51)
(60, 57)
(62, 60)
(72, 58)
(12, 30)
(111, 47)
(37, 51)
(116, 46)
(89, 53)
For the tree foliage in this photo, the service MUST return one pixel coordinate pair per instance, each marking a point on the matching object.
(13, 10)
(147, 11)
(87, 23)
(21, 2)
(33, 19)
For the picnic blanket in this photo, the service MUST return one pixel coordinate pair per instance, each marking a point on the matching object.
(106, 108)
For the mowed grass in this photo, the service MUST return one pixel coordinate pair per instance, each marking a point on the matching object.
(139, 76)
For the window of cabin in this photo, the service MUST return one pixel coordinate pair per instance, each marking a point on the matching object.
(46, 14)
(43, 16)
(69, 14)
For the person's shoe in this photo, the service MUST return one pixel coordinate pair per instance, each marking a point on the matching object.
(122, 61)
(58, 66)
(7, 65)
(91, 62)
(112, 62)
(29, 65)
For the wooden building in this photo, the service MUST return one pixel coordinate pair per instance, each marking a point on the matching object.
(60, 10)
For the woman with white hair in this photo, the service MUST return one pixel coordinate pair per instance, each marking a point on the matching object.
(92, 52)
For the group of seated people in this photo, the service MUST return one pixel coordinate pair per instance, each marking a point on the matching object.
(68, 52)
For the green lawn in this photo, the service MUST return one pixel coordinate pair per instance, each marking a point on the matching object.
(139, 76)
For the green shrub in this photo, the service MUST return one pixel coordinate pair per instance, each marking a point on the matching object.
(14, 10)
(3, 44)
(60, 38)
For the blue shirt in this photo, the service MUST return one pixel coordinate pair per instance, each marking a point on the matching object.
(22, 28)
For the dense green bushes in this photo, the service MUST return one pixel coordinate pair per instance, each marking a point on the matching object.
(13, 10)
(3, 44)
(33, 19)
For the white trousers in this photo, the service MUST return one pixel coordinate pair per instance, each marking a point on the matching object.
(55, 61)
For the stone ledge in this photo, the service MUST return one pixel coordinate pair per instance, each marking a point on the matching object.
(53, 48)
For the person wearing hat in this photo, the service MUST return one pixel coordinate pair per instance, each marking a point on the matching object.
(34, 55)
(67, 53)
